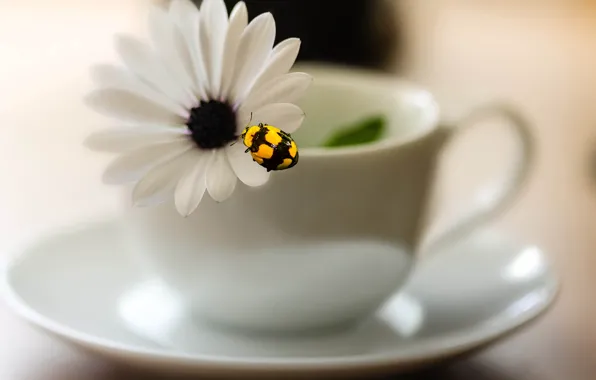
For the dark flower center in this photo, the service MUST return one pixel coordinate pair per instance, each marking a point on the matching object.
(212, 124)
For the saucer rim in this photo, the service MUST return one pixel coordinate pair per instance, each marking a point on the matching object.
(429, 349)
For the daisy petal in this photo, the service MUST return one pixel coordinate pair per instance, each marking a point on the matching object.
(281, 60)
(121, 140)
(221, 180)
(131, 166)
(159, 183)
(285, 116)
(130, 107)
(255, 46)
(109, 76)
(170, 45)
(139, 58)
(213, 28)
(186, 16)
(191, 188)
(247, 171)
(238, 21)
(184, 13)
(287, 88)
(159, 195)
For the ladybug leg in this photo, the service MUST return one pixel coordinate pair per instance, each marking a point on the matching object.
(247, 149)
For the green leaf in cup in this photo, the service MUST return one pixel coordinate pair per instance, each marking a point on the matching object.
(363, 132)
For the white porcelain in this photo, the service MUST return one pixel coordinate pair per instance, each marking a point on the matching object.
(322, 245)
(84, 287)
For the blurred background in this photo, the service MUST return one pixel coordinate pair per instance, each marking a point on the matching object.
(361, 33)
(539, 55)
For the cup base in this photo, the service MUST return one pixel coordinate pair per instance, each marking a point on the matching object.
(330, 329)
(300, 287)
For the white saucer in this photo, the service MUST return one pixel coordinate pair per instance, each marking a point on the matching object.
(83, 287)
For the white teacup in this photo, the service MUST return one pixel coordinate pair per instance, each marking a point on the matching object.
(324, 244)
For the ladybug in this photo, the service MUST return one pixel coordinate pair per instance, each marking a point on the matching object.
(270, 147)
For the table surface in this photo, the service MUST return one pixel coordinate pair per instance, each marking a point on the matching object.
(540, 55)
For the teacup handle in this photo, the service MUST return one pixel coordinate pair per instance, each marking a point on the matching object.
(512, 184)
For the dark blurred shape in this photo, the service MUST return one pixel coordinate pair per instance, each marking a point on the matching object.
(349, 32)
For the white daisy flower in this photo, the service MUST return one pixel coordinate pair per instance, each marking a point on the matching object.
(184, 101)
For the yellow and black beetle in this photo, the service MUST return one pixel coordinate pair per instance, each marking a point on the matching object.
(270, 147)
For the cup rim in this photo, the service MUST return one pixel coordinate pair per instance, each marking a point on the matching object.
(335, 73)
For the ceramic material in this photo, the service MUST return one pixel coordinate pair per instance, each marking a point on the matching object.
(84, 286)
(321, 246)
